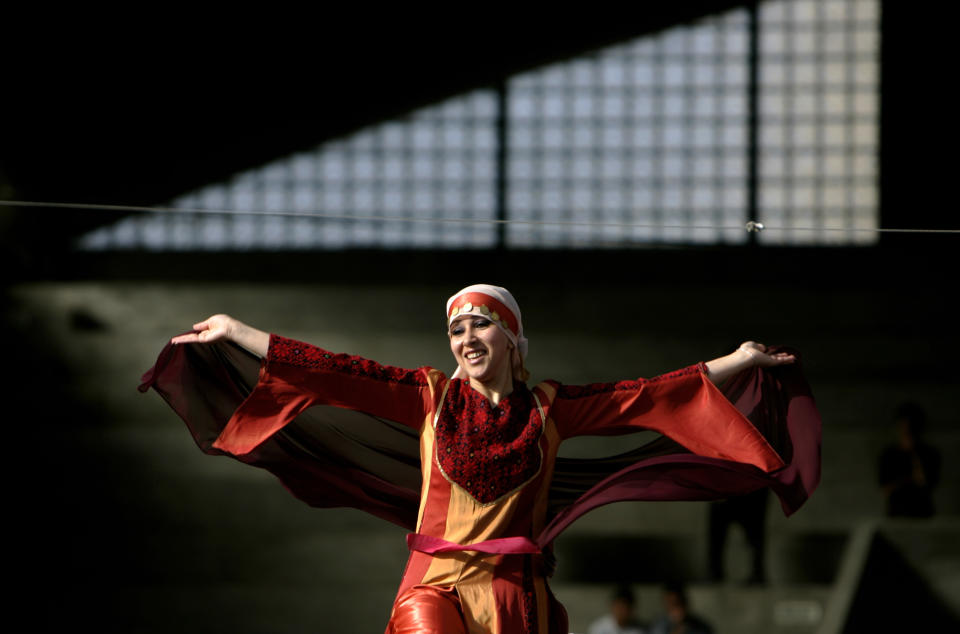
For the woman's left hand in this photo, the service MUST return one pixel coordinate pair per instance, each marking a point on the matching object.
(759, 356)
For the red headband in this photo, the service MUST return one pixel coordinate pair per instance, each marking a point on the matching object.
(497, 311)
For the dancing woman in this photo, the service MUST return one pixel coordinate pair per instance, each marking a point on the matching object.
(491, 493)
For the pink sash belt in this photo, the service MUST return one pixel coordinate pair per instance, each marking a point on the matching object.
(501, 546)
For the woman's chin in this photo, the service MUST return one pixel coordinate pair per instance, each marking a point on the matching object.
(476, 375)
(479, 373)
(482, 372)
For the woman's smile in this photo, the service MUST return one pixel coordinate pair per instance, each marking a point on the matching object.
(474, 355)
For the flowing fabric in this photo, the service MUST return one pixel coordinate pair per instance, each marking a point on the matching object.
(334, 457)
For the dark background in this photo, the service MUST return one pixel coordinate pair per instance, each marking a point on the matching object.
(138, 108)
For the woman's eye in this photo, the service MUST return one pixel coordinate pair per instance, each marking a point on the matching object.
(457, 331)
(481, 323)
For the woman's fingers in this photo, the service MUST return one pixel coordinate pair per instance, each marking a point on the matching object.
(782, 358)
(764, 358)
(204, 336)
(206, 331)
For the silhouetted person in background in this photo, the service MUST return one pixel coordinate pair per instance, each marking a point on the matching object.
(910, 468)
(678, 618)
(750, 511)
(620, 620)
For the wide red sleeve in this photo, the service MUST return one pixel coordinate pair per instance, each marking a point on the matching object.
(296, 375)
(683, 405)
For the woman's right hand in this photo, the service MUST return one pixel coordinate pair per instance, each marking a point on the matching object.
(211, 329)
(226, 328)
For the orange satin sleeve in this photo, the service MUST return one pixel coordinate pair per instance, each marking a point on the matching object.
(296, 375)
(684, 405)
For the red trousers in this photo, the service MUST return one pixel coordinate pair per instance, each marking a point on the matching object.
(427, 610)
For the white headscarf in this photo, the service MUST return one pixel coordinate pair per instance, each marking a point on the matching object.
(496, 304)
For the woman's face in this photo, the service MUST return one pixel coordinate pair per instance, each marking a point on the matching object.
(481, 349)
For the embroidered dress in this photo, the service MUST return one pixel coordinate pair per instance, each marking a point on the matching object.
(480, 485)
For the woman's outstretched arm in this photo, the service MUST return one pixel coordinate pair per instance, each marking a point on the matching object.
(683, 405)
(296, 375)
(750, 353)
(217, 327)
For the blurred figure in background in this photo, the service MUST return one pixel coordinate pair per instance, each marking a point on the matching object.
(620, 620)
(678, 618)
(750, 511)
(910, 468)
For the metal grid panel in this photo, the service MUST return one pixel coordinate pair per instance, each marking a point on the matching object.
(437, 163)
(651, 138)
(650, 134)
(819, 92)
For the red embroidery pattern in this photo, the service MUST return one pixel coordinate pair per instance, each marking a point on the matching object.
(488, 451)
(305, 355)
(592, 389)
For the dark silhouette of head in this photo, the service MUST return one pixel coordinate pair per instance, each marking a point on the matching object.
(675, 602)
(621, 605)
(911, 419)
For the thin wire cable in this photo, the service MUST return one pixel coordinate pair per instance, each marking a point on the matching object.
(750, 227)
